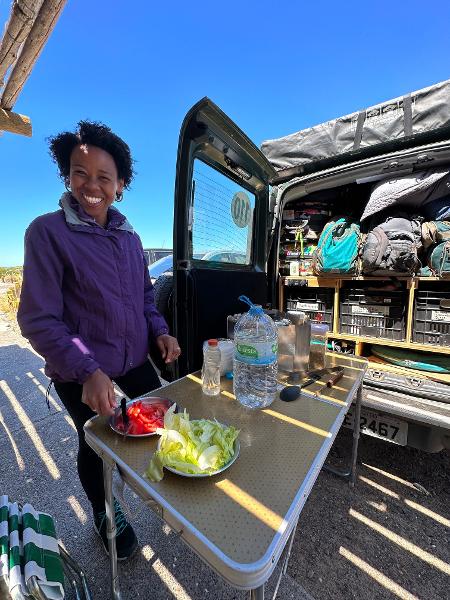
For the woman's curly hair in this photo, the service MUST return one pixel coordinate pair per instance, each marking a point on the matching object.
(94, 134)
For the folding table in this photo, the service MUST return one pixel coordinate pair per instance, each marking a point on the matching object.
(240, 520)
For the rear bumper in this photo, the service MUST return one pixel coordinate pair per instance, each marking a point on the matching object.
(428, 420)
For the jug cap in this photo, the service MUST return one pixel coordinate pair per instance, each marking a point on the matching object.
(255, 309)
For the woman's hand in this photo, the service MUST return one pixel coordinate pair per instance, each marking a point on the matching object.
(168, 346)
(98, 393)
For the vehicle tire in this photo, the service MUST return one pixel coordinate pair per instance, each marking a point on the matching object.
(163, 288)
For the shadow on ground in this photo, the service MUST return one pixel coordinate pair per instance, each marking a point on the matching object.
(386, 539)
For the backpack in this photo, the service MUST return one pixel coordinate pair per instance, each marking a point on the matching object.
(338, 248)
(435, 232)
(438, 261)
(391, 246)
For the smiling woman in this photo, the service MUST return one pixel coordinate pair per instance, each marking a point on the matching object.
(87, 303)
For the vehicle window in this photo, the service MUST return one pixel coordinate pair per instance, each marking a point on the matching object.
(222, 217)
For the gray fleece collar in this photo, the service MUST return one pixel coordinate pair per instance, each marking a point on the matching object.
(75, 215)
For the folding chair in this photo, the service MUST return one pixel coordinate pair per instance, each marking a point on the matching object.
(32, 563)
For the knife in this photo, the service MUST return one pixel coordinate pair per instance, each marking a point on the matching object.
(125, 417)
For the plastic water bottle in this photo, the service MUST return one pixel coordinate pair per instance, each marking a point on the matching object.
(255, 358)
(211, 369)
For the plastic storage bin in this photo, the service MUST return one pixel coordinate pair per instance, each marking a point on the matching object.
(432, 317)
(317, 303)
(373, 313)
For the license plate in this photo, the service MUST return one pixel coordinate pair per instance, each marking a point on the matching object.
(379, 426)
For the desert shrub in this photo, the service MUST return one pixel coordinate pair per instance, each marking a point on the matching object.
(9, 301)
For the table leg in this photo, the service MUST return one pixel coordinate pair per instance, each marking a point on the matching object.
(257, 593)
(289, 550)
(285, 563)
(356, 436)
(111, 528)
(350, 474)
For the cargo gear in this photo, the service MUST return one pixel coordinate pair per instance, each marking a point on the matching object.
(438, 260)
(338, 247)
(391, 246)
(435, 232)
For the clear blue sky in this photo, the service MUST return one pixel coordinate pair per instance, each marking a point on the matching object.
(138, 66)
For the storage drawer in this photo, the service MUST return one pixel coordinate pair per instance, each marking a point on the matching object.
(373, 313)
(317, 303)
(432, 317)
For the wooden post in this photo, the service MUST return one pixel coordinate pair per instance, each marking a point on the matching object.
(412, 285)
(336, 321)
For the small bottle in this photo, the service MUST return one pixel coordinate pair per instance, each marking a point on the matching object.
(318, 346)
(211, 369)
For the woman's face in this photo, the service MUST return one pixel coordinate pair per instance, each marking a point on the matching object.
(93, 180)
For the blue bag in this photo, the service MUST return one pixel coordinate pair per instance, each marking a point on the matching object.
(338, 248)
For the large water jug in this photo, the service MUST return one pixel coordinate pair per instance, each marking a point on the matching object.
(255, 358)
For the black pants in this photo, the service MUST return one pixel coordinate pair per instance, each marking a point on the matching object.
(136, 382)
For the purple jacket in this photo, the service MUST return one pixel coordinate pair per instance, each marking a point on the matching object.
(87, 299)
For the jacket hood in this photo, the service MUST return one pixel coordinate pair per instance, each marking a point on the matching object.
(76, 215)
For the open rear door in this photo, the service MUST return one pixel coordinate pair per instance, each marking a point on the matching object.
(221, 224)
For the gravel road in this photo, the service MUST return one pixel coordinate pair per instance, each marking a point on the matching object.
(388, 538)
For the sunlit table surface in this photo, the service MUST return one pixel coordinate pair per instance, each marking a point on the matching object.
(240, 520)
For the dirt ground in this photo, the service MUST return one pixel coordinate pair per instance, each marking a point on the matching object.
(388, 538)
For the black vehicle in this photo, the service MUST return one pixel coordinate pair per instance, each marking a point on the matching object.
(228, 191)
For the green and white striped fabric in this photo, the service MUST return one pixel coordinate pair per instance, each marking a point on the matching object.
(28, 548)
(4, 538)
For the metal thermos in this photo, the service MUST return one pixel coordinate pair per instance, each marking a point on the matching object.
(293, 344)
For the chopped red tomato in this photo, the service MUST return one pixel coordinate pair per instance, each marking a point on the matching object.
(144, 418)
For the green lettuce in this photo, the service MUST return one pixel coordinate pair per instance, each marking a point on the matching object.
(198, 446)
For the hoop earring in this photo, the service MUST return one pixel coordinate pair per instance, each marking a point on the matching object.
(119, 196)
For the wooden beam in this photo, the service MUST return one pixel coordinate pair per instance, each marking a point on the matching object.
(15, 123)
(32, 47)
(23, 13)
